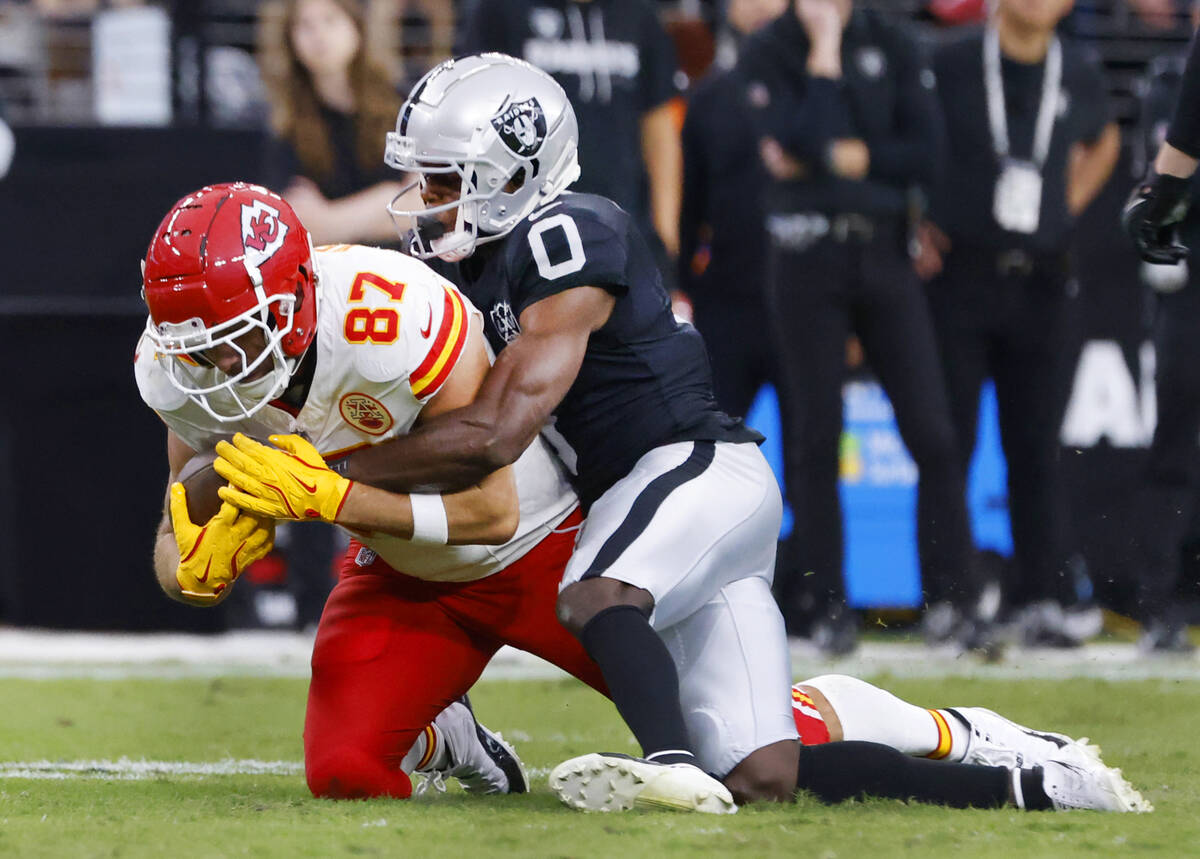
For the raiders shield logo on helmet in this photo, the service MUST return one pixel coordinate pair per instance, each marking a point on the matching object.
(522, 127)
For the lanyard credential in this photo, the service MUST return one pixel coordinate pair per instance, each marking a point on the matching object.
(997, 114)
(1017, 204)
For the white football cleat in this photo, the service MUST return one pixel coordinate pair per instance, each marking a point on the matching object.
(1074, 785)
(999, 742)
(480, 759)
(612, 782)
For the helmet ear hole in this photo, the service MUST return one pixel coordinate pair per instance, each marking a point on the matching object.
(303, 276)
(516, 182)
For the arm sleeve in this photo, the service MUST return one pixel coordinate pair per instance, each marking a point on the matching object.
(913, 153)
(1184, 131)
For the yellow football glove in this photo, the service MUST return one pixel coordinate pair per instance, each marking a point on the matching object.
(288, 481)
(213, 555)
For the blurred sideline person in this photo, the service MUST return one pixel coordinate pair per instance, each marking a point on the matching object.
(251, 331)
(1167, 500)
(331, 104)
(618, 67)
(722, 236)
(479, 129)
(1030, 144)
(1162, 198)
(846, 119)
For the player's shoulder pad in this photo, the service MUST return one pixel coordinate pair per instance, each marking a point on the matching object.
(573, 234)
(154, 386)
(385, 308)
(593, 218)
(582, 208)
(342, 268)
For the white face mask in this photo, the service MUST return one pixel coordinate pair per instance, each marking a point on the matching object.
(453, 246)
(267, 388)
(227, 400)
(235, 399)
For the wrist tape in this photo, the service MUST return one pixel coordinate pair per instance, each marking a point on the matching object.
(429, 519)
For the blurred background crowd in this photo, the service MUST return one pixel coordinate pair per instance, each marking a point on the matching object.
(896, 227)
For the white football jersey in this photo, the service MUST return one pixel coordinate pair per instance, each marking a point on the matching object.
(389, 332)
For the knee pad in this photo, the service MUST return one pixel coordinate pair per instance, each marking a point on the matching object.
(349, 773)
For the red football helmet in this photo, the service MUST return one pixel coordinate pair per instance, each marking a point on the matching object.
(226, 260)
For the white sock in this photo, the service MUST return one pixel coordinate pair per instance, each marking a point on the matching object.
(959, 736)
(428, 753)
(874, 715)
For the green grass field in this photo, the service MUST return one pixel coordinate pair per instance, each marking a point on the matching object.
(1148, 727)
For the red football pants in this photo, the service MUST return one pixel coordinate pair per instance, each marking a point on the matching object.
(393, 651)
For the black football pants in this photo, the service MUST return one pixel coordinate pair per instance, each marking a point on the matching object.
(1016, 329)
(817, 297)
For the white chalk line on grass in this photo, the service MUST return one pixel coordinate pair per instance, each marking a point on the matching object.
(41, 654)
(125, 769)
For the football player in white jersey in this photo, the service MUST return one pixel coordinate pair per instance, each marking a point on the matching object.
(252, 331)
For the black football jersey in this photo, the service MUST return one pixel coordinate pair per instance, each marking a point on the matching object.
(645, 380)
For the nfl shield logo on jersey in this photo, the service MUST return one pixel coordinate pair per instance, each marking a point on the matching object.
(522, 127)
(506, 323)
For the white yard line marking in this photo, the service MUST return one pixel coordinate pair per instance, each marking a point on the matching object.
(125, 769)
(40, 654)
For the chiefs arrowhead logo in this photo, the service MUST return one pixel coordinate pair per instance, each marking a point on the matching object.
(262, 232)
(264, 229)
(365, 413)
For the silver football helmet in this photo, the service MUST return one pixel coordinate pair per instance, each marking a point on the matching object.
(504, 127)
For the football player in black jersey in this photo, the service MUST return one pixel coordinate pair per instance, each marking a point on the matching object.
(669, 585)
(683, 511)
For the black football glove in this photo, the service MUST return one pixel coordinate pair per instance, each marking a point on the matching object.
(1155, 206)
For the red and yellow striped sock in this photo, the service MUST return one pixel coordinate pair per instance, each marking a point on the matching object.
(427, 752)
(430, 735)
(945, 741)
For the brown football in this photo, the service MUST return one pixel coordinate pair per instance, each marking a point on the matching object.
(201, 481)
